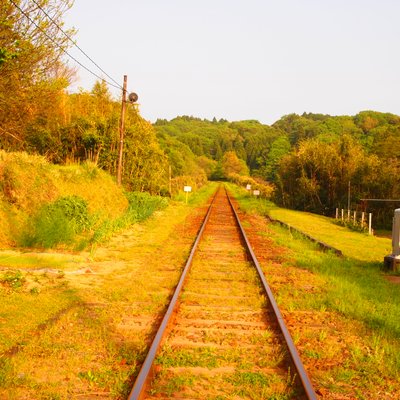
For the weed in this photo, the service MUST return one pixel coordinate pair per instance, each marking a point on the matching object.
(5, 370)
(57, 223)
(91, 377)
(142, 205)
(202, 357)
(312, 354)
(176, 383)
(34, 290)
(256, 385)
(322, 336)
(13, 279)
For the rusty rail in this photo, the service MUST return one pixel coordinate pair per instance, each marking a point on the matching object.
(294, 355)
(146, 370)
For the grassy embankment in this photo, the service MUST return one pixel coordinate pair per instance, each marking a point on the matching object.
(72, 207)
(355, 287)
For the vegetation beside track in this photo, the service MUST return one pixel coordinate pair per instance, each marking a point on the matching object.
(351, 293)
(45, 206)
(80, 323)
(355, 245)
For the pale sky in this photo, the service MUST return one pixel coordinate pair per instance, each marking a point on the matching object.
(237, 59)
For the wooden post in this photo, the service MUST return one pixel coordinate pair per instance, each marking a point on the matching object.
(370, 224)
(354, 217)
(121, 131)
(362, 219)
(396, 233)
(342, 214)
(348, 215)
(337, 214)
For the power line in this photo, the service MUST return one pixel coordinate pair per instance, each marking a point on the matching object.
(74, 43)
(61, 48)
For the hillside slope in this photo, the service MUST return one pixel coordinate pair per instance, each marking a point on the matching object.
(28, 183)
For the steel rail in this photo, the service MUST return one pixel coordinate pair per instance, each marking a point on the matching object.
(294, 355)
(138, 390)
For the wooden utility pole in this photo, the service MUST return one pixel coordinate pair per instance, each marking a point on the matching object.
(121, 131)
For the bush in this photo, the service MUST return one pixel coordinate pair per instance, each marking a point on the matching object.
(57, 223)
(266, 189)
(142, 205)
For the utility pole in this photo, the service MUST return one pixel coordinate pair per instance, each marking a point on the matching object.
(121, 132)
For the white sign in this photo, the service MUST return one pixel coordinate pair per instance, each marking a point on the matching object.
(256, 192)
(187, 188)
(248, 187)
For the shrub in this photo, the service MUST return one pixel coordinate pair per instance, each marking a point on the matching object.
(142, 205)
(57, 223)
(13, 279)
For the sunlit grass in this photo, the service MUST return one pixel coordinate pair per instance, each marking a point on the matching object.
(359, 246)
(352, 292)
(97, 344)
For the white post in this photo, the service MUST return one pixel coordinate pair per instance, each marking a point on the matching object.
(370, 224)
(337, 214)
(362, 218)
(342, 214)
(396, 233)
(354, 217)
(348, 215)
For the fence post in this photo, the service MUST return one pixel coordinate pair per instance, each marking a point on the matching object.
(362, 219)
(370, 224)
(342, 214)
(337, 213)
(396, 233)
(348, 215)
(392, 261)
(354, 217)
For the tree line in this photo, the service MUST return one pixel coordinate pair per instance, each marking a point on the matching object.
(308, 159)
(311, 159)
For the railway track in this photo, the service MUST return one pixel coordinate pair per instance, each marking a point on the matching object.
(223, 335)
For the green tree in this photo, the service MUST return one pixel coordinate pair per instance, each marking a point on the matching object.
(231, 164)
(32, 75)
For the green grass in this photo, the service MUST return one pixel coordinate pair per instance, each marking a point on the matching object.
(20, 314)
(359, 246)
(353, 288)
(356, 289)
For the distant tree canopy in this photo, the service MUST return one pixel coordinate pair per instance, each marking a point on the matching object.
(308, 159)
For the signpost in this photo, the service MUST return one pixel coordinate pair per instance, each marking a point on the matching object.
(187, 189)
(256, 193)
(248, 187)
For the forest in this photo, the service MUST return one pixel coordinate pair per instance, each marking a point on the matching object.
(305, 162)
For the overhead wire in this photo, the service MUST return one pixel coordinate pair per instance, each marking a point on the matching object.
(74, 42)
(65, 51)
